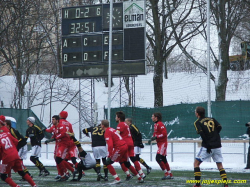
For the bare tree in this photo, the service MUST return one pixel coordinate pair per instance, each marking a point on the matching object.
(21, 43)
(226, 16)
(161, 34)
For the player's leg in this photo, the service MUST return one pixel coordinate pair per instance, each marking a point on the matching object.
(200, 157)
(97, 152)
(126, 171)
(137, 165)
(61, 163)
(23, 155)
(35, 154)
(168, 174)
(25, 171)
(73, 154)
(98, 169)
(223, 173)
(217, 157)
(124, 158)
(8, 180)
(113, 172)
(19, 168)
(66, 156)
(105, 169)
(159, 160)
(197, 172)
(133, 170)
(143, 163)
(4, 175)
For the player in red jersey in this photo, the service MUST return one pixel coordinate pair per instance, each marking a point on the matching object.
(64, 145)
(124, 131)
(10, 159)
(72, 150)
(160, 135)
(117, 152)
(3, 127)
(52, 129)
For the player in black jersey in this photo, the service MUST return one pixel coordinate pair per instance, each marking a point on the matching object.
(99, 149)
(36, 135)
(21, 146)
(209, 130)
(137, 138)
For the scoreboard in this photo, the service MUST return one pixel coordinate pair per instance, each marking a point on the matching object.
(85, 42)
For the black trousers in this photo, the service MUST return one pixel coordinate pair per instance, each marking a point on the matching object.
(248, 157)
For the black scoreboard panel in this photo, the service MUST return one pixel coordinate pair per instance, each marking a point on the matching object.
(134, 46)
(71, 49)
(85, 42)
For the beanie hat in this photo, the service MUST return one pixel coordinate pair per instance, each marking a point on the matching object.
(2, 119)
(63, 114)
(31, 119)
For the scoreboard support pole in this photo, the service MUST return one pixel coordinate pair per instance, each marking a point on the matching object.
(110, 56)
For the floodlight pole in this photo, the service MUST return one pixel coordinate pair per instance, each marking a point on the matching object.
(208, 61)
(110, 56)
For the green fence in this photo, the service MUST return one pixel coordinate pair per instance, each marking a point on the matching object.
(179, 119)
(21, 116)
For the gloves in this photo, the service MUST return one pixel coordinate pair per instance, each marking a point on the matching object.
(49, 140)
(108, 161)
(209, 149)
(153, 138)
(141, 145)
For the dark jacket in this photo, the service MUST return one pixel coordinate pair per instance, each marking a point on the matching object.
(21, 140)
(35, 134)
(136, 135)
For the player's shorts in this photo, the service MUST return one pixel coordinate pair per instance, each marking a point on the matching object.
(36, 151)
(56, 147)
(62, 151)
(69, 153)
(120, 154)
(137, 150)
(162, 148)
(216, 155)
(16, 165)
(131, 152)
(89, 161)
(99, 152)
(23, 152)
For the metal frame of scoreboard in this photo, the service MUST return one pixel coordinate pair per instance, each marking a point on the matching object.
(85, 40)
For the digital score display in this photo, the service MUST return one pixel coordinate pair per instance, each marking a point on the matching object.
(82, 12)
